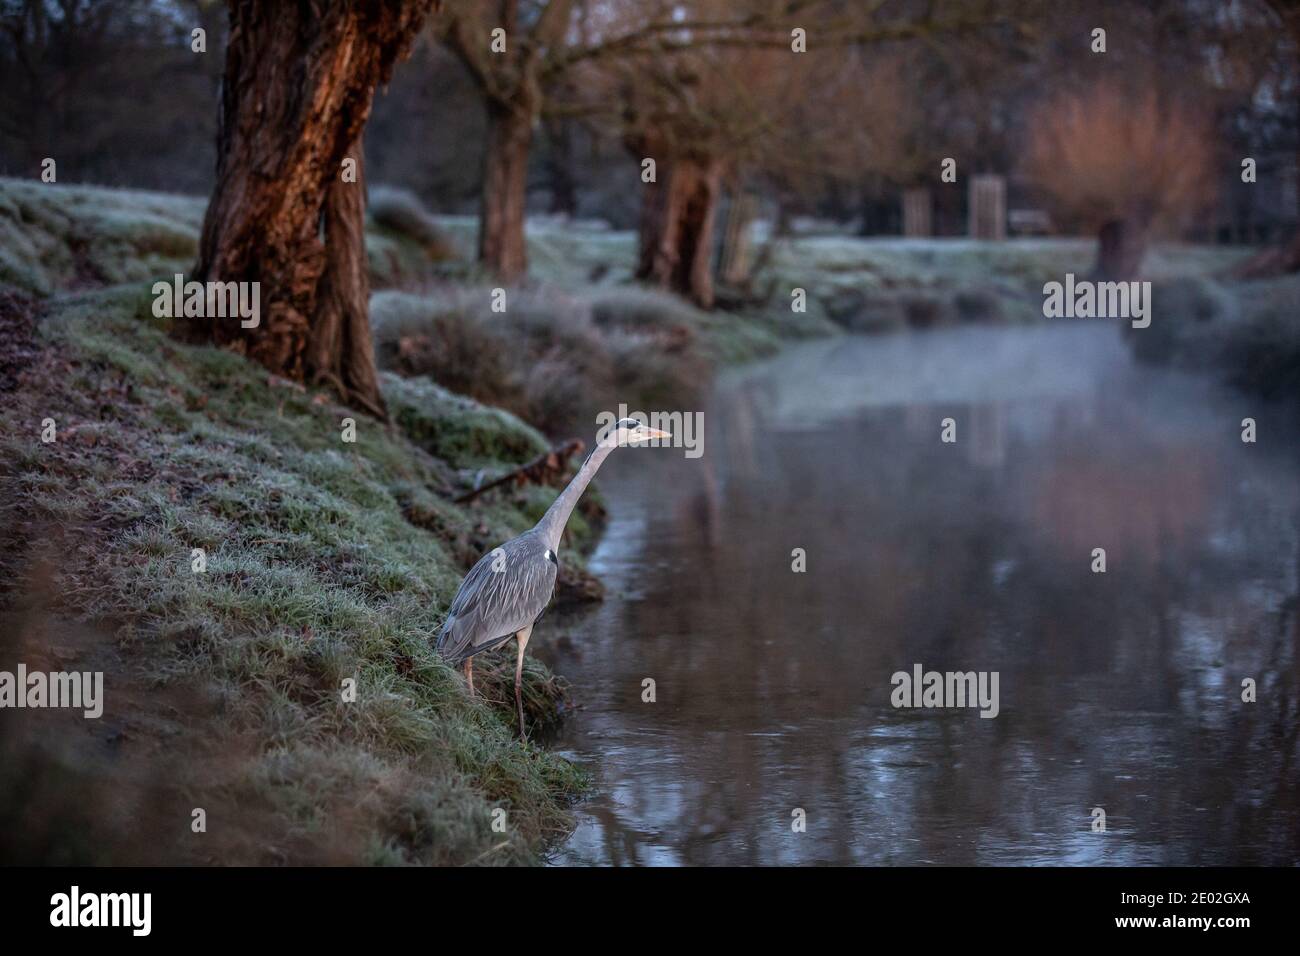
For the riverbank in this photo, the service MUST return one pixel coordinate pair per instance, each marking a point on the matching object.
(1243, 332)
(259, 593)
(280, 677)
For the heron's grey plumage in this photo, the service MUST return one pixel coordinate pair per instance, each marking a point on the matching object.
(508, 589)
(494, 605)
(551, 527)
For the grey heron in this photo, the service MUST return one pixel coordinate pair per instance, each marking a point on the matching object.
(507, 590)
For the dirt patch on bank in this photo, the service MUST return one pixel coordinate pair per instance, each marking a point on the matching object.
(18, 348)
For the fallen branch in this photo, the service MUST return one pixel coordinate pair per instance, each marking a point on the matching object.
(544, 469)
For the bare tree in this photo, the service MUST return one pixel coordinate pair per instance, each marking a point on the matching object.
(297, 92)
(703, 118)
(739, 97)
(1120, 160)
(508, 68)
(521, 51)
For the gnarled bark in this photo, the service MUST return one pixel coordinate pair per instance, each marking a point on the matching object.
(341, 351)
(297, 92)
(677, 217)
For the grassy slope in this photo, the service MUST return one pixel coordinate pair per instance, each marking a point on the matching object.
(326, 561)
(54, 237)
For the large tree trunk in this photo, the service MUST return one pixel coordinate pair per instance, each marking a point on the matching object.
(341, 352)
(1121, 247)
(501, 244)
(296, 94)
(677, 216)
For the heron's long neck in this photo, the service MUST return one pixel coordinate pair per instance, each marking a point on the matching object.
(557, 515)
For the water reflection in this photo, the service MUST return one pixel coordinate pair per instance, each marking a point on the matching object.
(1119, 690)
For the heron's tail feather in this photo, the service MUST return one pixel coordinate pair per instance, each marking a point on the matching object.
(452, 645)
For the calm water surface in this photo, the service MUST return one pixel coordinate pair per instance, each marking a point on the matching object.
(1119, 690)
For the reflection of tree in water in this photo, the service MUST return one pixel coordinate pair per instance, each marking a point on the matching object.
(1119, 690)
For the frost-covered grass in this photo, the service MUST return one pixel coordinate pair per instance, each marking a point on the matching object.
(403, 242)
(325, 561)
(955, 261)
(555, 356)
(864, 285)
(561, 252)
(883, 284)
(1246, 332)
(577, 336)
(57, 237)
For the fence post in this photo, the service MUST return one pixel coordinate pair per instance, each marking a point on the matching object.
(988, 207)
(917, 213)
(737, 247)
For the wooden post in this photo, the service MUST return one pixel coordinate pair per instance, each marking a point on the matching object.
(917, 220)
(737, 248)
(988, 207)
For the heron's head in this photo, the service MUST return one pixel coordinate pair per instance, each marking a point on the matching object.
(629, 431)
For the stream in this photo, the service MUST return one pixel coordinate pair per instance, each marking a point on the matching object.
(1118, 691)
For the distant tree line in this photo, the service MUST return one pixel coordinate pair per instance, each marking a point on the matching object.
(646, 112)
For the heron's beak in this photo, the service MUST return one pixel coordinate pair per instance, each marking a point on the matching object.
(656, 433)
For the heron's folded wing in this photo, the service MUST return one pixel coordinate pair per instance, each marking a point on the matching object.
(492, 605)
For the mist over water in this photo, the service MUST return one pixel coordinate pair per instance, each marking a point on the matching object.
(1119, 690)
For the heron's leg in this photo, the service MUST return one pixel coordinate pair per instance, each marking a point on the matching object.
(469, 674)
(522, 638)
